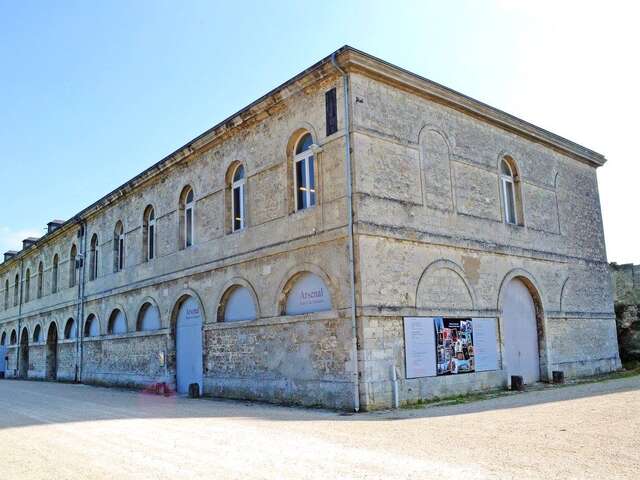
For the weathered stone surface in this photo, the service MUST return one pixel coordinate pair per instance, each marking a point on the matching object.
(429, 240)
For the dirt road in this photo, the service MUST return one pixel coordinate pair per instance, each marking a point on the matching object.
(57, 431)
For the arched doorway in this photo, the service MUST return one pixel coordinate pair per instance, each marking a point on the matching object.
(188, 345)
(521, 344)
(52, 352)
(24, 354)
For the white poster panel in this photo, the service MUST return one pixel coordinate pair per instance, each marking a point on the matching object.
(419, 347)
(485, 340)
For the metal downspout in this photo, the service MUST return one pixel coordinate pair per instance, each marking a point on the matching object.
(347, 144)
(19, 347)
(80, 310)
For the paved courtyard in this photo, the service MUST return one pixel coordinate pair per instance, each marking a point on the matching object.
(58, 431)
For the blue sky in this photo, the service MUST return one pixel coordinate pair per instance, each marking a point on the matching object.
(91, 93)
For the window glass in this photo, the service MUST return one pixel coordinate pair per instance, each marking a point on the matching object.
(510, 202)
(189, 227)
(304, 143)
(239, 174)
(301, 183)
(505, 168)
(311, 181)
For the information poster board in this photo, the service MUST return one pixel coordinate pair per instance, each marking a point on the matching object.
(420, 347)
(485, 334)
(436, 346)
(454, 346)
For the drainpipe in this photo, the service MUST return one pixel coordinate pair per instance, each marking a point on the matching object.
(80, 309)
(18, 347)
(347, 148)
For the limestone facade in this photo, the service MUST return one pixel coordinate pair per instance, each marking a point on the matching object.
(428, 237)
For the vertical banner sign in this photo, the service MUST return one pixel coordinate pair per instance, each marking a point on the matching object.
(420, 347)
(485, 334)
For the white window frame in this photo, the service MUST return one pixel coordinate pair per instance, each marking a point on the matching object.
(504, 181)
(94, 259)
(189, 213)
(305, 157)
(237, 184)
(119, 248)
(151, 234)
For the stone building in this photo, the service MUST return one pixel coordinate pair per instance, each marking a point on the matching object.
(359, 236)
(626, 290)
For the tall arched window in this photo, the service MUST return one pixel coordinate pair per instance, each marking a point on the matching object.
(118, 247)
(186, 214)
(3, 339)
(27, 285)
(510, 188)
(237, 199)
(6, 294)
(93, 258)
(149, 233)
(16, 290)
(40, 279)
(304, 173)
(72, 266)
(54, 274)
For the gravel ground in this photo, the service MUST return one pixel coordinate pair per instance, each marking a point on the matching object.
(58, 431)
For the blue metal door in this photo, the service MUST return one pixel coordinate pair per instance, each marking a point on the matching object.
(189, 346)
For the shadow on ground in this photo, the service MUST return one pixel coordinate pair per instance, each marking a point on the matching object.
(29, 403)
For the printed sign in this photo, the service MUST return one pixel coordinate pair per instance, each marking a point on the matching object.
(485, 337)
(420, 347)
(309, 294)
(436, 346)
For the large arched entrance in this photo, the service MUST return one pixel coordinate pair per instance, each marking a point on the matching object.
(520, 337)
(24, 354)
(52, 352)
(188, 345)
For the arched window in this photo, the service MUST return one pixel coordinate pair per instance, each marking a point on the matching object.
(36, 334)
(6, 294)
(3, 339)
(27, 285)
(40, 279)
(93, 257)
(117, 323)
(237, 304)
(118, 247)
(304, 173)
(16, 290)
(148, 318)
(510, 189)
(54, 274)
(14, 338)
(186, 220)
(237, 199)
(306, 293)
(70, 329)
(91, 326)
(72, 266)
(149, 234)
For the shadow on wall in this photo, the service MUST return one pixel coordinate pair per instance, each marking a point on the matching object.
(27, 403)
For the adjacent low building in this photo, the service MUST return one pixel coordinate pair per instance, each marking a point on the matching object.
(358, 237)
